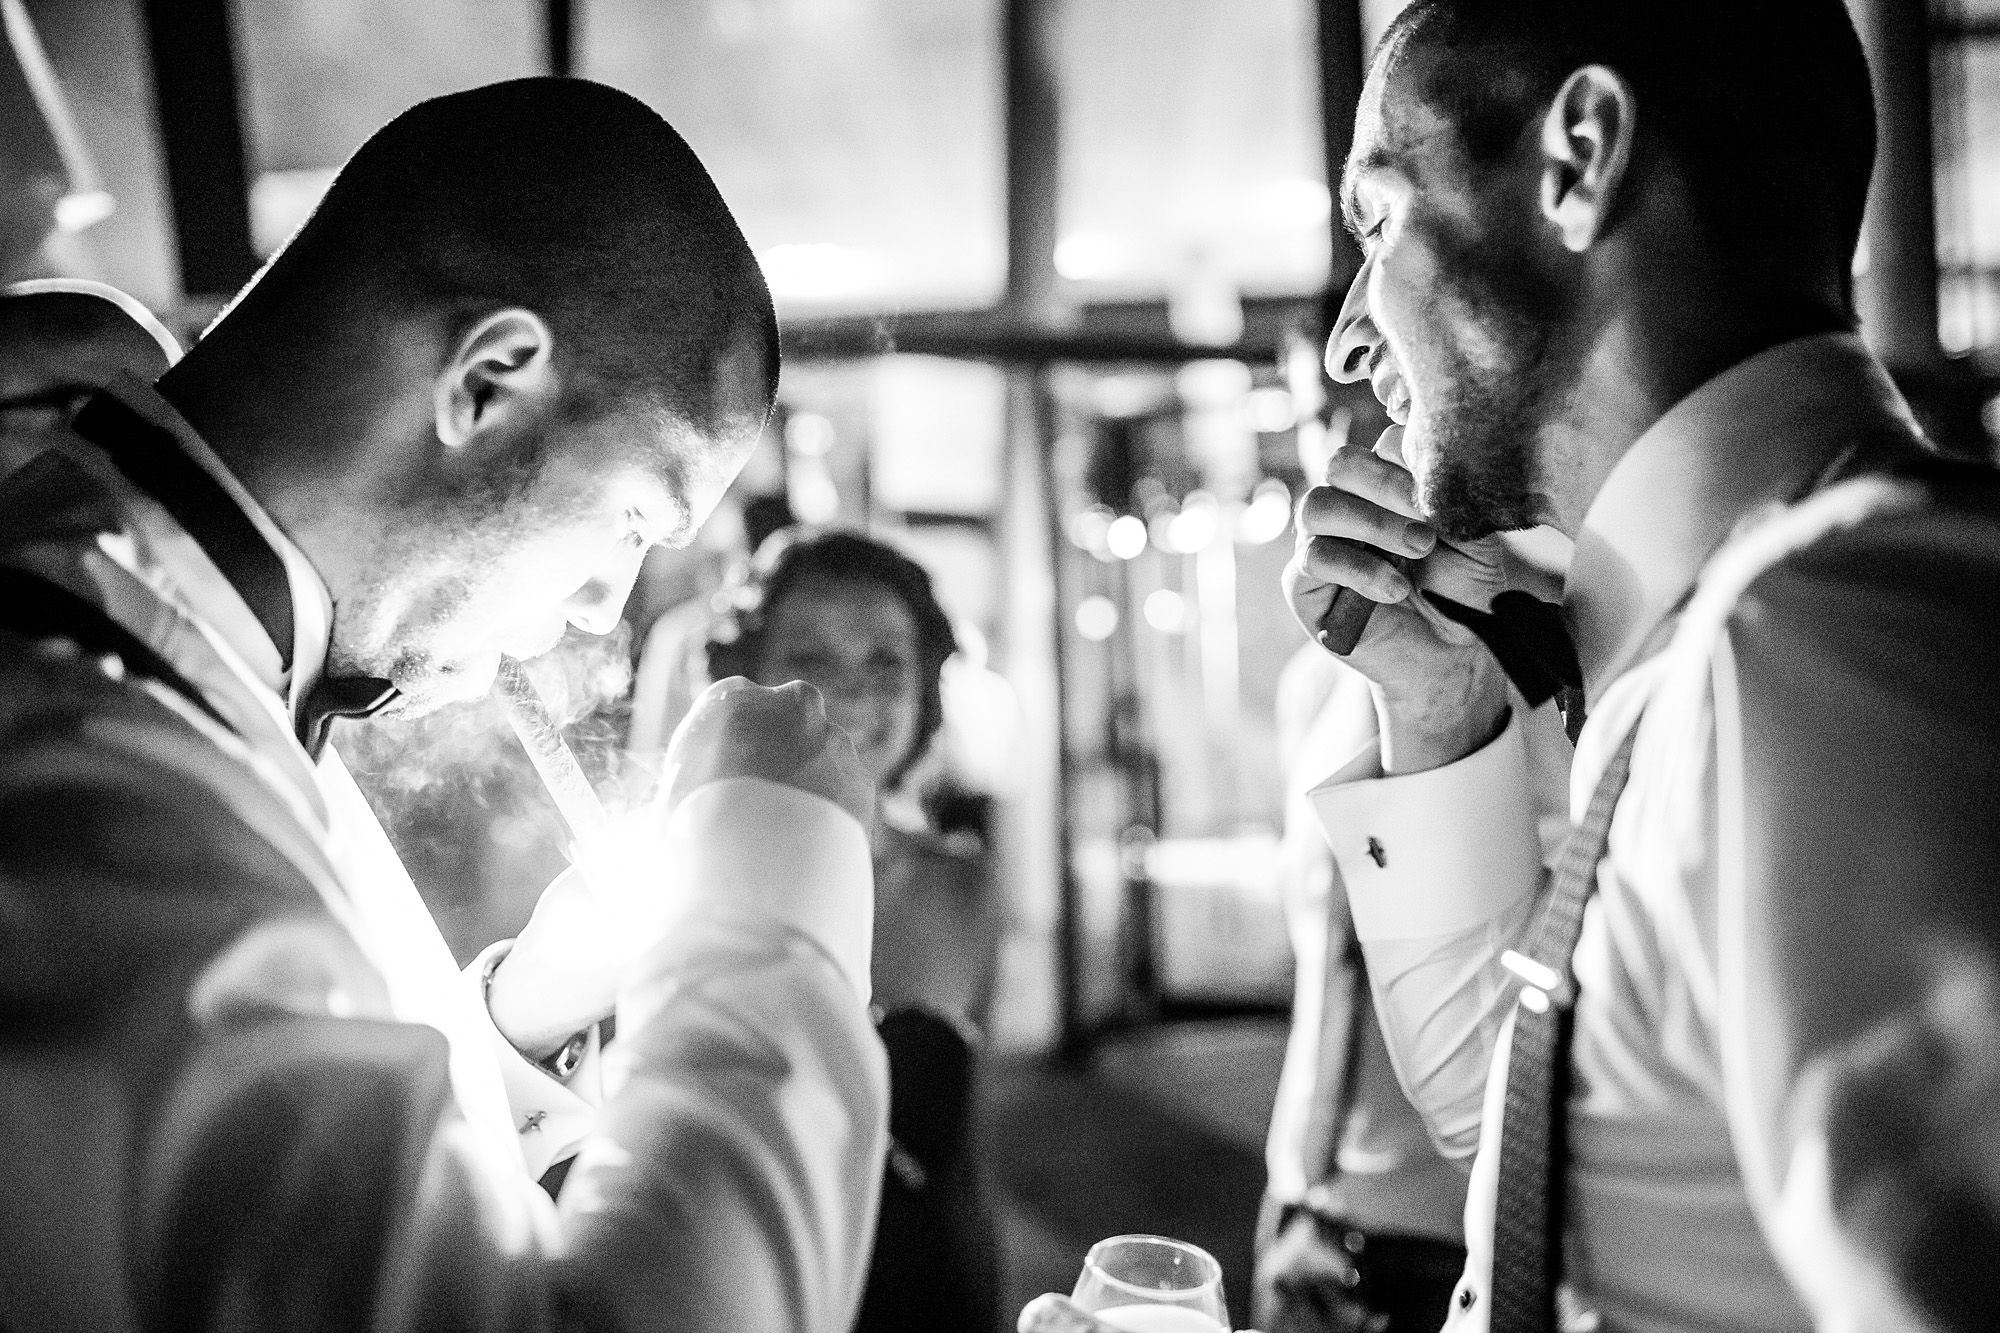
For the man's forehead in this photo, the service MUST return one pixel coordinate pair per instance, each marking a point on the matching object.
(1396, 127)
(694, 466)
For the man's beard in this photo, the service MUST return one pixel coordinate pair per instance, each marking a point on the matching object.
(432, 557)
(1481, 478)
(1487, 411)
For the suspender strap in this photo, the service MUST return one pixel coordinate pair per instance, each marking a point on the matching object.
(153, 460)
(36, 608)
(1528, 1214)
(1529, 1203)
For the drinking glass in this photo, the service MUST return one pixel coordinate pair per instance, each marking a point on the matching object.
(1150, 1284)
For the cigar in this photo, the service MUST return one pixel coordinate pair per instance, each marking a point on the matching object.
(1344, 622)
(576, 801)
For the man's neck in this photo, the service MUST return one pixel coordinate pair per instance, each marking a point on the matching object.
(308, 431)
(236, 399)
(1655, 349)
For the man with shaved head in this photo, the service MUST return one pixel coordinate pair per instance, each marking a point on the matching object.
(244, 1084)
(1606, 288)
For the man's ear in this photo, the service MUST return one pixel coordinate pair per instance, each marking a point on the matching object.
(1586, 146)
(501, 365)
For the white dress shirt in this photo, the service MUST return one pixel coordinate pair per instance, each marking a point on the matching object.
(1379, 1172)
(1660, 1232)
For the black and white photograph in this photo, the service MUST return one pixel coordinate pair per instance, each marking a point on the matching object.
(1000, 666)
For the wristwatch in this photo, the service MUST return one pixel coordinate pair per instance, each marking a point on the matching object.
(564, 1062)
(568, 1056)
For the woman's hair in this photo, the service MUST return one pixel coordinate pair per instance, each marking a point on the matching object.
(737, 638)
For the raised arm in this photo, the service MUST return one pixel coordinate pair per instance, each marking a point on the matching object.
(222, 1123)
(1433, 826)
(1443, 871)
(747, 1116)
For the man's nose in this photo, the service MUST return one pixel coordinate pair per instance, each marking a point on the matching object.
(1355, 337)
(595, 607)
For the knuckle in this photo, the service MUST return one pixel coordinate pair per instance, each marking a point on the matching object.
(1312, 507)
(1330, 559)
(1328, 510)
(1345, 461)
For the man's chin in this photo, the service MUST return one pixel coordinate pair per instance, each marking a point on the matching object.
(423, 692)
(1463, 510)
(1469, 486)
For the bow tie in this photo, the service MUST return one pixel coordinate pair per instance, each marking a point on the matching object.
(352, 696)
(1533, 646)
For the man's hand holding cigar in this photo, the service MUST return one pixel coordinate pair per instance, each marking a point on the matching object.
(1439, 693)
(595, 920)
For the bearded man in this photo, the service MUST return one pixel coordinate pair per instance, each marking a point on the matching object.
(242, 1080)
(1606, 287)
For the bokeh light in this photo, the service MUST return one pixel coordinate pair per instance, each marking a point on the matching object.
(1194, 527)
(1126, 537)
(1096, 618)
(1267, 515)
(1166, 611)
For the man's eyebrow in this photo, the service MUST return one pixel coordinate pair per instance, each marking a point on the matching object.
(1350, 207)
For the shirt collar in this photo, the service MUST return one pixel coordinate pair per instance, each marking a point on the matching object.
(219, 603)
(1760, 432)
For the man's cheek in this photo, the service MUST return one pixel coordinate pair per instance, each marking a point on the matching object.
(532, 638)
(1404, 290)
(1411, 447)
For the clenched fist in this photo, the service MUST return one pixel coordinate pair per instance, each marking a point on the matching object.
(740, 730)
(596, 919)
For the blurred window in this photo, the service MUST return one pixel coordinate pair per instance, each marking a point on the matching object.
(907, 445)
(320, 76)
(1966, 86)
(936, 443)
(1191, 151)
(859, 142)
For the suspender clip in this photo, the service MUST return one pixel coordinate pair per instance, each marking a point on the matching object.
(1545, 984)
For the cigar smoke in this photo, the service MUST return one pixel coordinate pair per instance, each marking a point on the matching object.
(463, 803)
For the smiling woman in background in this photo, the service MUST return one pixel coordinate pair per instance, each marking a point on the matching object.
(857, 619)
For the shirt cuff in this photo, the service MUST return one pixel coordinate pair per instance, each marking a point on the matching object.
(760, 847)
(552, 1116)
(1433, 853)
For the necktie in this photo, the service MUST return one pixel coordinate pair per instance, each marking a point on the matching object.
(153, 460)
(1528, 1212)
(1532, 644)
